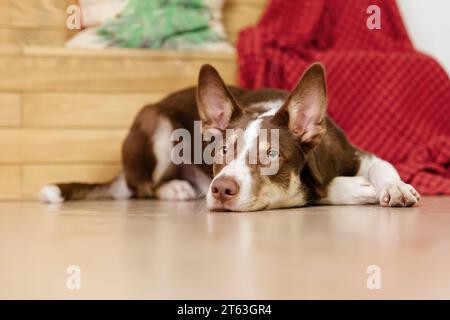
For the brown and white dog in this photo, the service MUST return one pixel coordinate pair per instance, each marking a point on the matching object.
(316, 164)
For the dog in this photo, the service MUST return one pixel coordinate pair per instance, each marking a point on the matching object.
(316, 164)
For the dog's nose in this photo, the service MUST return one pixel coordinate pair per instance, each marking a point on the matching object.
(224, 188)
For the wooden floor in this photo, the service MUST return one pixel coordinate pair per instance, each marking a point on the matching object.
(150, 249)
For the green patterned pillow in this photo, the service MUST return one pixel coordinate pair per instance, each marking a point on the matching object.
(176, 24)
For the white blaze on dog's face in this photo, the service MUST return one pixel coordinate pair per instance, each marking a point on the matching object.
(279, 136)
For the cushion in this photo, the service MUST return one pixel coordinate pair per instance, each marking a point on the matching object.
(170, 24)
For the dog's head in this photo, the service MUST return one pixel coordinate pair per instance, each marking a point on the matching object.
(258, 161)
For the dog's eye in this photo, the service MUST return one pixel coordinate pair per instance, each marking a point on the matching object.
(272, 154)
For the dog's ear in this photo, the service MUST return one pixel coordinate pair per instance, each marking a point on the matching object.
(216, 105)
(304, 111)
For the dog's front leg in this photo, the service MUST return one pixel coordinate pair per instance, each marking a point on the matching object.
(390, 189)
(349, 190)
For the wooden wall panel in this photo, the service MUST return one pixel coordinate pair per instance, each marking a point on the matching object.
(36, 176)
(39, 13)
(18, 38)
(53, 145)
(84, 110)
(10, 114)
(103, 74)
(241, 13)
(4, 12)
(10, 182)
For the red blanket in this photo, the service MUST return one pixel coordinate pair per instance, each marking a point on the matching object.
(390, 99)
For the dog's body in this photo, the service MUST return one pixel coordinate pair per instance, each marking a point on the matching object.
(316, 163)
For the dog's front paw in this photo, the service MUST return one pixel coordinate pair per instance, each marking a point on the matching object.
(398, 194)
(176, 190)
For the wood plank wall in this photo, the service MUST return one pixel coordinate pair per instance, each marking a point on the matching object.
(64, 113)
